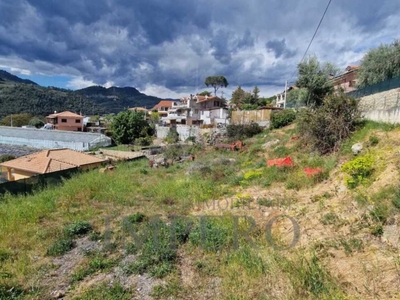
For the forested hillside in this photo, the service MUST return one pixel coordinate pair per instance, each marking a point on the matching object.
(24, 96)
(29, 98)
(115, 99)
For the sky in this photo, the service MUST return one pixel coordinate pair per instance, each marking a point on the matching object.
(167, 48)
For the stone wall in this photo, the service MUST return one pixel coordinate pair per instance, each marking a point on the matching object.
(382, 107)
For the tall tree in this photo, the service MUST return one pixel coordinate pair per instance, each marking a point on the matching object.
(315, 78)
(297, 97)
(256, 93)
(238, 97)
(205, 93)
(380, 64)
(216, 82)
(128, 126)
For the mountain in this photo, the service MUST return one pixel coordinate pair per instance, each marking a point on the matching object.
(18, 98)
(19, 95)
(115, 99)
(5, 76)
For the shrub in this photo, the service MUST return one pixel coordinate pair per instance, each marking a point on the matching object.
(239, 132)
(373, 140)
(282, 118)
(60, 246)
(77, 228)
(377, 230)
(359, 169)
(144, 141)
(136, 218)
(380, 212)
(172, 136)
(325, 127)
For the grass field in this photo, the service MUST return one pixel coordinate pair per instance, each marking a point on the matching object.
(92, 236)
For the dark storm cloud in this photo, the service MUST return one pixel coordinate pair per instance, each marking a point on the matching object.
(177, 43)
(279, 48)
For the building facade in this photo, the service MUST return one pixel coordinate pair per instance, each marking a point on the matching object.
(66, 120)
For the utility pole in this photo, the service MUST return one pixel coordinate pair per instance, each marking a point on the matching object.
(11, 121)
(284, 103)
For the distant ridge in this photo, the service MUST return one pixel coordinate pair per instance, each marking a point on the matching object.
(19, 95)
(115, 99)
(5, 76)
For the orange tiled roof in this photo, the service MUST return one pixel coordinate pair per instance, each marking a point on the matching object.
(164, 103)
(65, 114)
(53, 160)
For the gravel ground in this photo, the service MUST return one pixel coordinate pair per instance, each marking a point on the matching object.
(16, 151)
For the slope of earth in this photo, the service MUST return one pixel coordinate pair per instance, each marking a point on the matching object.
(225, 226)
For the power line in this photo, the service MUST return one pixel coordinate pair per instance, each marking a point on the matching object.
(312, 39)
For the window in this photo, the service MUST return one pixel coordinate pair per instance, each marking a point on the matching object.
(216, 103)
(63, 120)
(79, 129)
(77, 120)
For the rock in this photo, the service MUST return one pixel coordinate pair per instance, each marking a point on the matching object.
(160, 160)
(356, 148)
(57, 294)
(270, 144)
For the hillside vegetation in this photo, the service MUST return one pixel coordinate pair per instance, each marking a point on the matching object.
(24, 96)
(16, 98)
(225, 226)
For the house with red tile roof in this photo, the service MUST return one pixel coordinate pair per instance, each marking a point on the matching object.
(163, 106)
(48, 161)
(197, 110)
(347, 80)
(66, 120)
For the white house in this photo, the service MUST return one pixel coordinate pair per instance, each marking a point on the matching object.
(197, 110)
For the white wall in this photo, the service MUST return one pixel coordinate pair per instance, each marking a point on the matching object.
(47, 144)
(184, 131)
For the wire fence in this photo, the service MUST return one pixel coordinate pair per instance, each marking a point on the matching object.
(383, 86)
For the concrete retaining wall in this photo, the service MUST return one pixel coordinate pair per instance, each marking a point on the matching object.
(184, 131)
(382, 107)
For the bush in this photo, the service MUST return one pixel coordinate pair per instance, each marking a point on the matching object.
(359, 169)
(172, 136)
(373, 140)
(77, 228)
(239, 132)
(60, 246)
(282, 118)
(325, 127)
(144, 141)
(136, 218)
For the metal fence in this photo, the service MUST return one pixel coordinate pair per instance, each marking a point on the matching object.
(376, 88)
(28, 185)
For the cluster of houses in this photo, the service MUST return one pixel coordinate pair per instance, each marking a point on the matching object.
(346, 81)
(191, 110)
